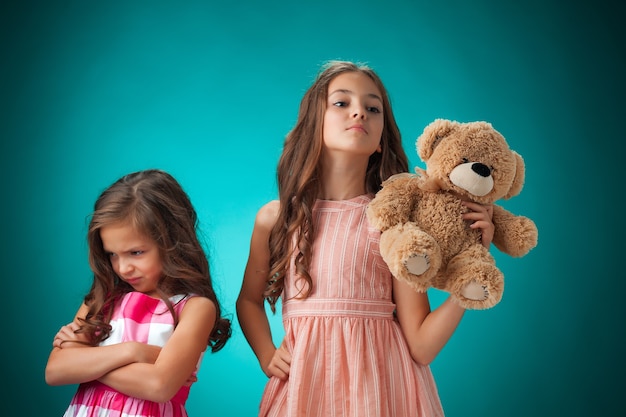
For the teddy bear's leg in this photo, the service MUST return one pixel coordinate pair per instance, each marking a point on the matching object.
(474, 280)
(474, 290)
(412, 255)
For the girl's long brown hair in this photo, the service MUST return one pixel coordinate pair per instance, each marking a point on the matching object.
(155, 204)
(298, 175)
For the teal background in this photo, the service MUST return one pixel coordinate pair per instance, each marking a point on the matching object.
(207, 90)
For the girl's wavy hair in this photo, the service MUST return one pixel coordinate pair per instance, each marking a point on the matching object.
(155, 204)
(299, 171)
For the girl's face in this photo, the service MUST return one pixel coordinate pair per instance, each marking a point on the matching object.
(134, 257)
(353, 121)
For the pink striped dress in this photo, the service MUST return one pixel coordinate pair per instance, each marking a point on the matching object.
(141, 318)
(349, 357)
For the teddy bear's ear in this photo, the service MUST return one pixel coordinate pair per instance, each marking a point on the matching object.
(518, 181)
(432, 136)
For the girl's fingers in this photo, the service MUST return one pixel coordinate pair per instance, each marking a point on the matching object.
(67, 334)
(480, 216)
(280, 364)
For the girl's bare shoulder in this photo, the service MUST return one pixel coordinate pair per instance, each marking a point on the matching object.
(268, 214)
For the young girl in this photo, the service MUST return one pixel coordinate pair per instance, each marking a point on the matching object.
(136, 342)
(357, 341)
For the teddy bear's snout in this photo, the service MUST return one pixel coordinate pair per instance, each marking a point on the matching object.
(473, 177)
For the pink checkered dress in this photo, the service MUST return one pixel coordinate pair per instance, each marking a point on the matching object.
(140, 318)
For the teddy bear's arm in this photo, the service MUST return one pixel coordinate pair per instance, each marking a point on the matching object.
(394, 203)
(514, 235)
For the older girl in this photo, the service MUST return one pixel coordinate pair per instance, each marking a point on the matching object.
(357, 341)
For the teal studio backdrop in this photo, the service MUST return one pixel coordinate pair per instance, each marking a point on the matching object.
(208, 90)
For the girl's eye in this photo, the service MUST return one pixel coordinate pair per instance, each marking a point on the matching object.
(136, 252)
(374, 109)
(339, 103)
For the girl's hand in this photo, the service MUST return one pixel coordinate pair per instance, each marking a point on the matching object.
(480, 217)
(145, 353)
(280, 363)
(192, 378)
(67, 337)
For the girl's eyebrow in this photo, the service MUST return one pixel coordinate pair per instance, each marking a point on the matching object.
(342, 90)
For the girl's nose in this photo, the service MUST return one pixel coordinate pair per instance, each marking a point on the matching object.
(125, 266)
(358, 112)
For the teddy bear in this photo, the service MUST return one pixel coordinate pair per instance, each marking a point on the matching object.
(424, 240)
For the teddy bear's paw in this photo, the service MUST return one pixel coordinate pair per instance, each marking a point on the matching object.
(475, 291)
(417, 264)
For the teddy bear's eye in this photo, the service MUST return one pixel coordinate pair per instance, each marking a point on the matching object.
(465, 160)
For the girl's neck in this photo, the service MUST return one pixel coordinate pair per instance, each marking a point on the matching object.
(342, 183)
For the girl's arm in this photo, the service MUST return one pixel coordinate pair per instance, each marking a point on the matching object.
(426, 331)
(72, 362)
(161, 380)
(250, 303)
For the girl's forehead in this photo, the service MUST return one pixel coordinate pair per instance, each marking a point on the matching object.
(122, 231)
(354, 82)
